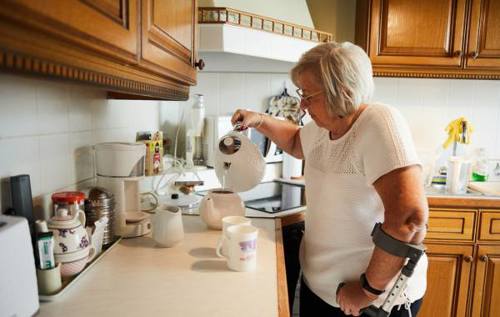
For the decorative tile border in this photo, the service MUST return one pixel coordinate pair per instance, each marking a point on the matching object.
(220, 15)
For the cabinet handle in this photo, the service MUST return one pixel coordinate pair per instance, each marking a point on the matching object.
(200, 64)
(474, 55)
(458, 54)
(468, 258)
(483, 258)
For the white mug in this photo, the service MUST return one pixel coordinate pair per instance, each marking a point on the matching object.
(226, 223)
(167, 225)
(241, 248)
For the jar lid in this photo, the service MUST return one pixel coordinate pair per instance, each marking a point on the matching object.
(68, 197)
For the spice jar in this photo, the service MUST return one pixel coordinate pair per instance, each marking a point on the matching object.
(72, 201)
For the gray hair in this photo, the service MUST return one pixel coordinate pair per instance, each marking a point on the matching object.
(345, 72)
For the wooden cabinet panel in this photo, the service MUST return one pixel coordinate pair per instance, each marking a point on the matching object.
(487, 282)
(168, 38)
(451, 224)
(447, 280)
(484, 35)
(489, 226)
(425, 32)
(105, 26)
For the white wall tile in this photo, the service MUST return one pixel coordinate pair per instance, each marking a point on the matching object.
(231, 92)
(18, 111)
(55, 160)
(281, 81)
(385, 90)
(80, 111)
(208, 85)
(52, 100)
(21, 156)
(81, 158)
(257, 91)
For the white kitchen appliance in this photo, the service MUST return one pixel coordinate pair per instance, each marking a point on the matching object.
(217, 126)
(18, 288)
(119, 168)
(239, 165)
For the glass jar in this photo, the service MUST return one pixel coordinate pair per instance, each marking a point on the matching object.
(72, 201)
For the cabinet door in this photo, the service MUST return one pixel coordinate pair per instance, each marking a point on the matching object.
(106, 26)
(487, 282)
(484, 35)
(168, 38)
(424, 32)
(447, 280)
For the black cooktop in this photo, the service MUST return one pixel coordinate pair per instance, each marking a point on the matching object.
(284, 197)
(272, 197)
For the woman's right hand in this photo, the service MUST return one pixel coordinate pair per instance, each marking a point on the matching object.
(247, 119)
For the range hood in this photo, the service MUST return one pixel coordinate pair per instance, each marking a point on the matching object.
(234, 40)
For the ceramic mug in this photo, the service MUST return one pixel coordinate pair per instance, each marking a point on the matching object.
(167, 226)
(241, 248)
(226, 223)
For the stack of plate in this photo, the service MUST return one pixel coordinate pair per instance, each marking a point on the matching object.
(101, 202)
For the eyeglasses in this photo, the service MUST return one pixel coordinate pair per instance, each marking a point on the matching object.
(307, 98)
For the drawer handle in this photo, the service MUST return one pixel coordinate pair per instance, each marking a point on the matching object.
(474, 55)
(458, 54)
(483, 258)
(200, 64)
(468, 259)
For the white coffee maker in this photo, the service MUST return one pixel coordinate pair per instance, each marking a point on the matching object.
(119, 168)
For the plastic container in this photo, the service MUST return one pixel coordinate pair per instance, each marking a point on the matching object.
(194, 131)
(458, 175)
(480, 169)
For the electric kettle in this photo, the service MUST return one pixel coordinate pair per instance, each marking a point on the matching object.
(239, 164)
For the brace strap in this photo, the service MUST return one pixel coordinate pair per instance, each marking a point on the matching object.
(394, 246)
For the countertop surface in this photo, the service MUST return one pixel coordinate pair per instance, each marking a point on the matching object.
(137, 278)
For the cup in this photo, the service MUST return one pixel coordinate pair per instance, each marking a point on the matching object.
(458, 173)
(226, 223)
(167, 226)
(241, 248)
(49, 280)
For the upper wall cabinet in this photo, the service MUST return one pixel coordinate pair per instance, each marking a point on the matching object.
(168, 37)
(140, 48)
(429, 38)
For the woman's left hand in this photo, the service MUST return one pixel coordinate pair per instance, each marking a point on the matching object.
(352, 298)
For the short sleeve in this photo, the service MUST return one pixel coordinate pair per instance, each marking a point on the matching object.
(386, 144)
(308, 136)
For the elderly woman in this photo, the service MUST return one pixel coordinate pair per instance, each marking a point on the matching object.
(361, 168)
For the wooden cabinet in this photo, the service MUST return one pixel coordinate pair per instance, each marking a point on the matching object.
(463, 247)
(486, 296)
(136, 47)
(484, 35)
(168, 37)
(428, 38)
(448, 280)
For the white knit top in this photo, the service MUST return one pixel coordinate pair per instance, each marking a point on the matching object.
(342, 203)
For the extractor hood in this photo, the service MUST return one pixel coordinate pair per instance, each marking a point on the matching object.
(234, 40)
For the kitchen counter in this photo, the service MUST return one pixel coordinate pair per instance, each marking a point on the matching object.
(137, 278)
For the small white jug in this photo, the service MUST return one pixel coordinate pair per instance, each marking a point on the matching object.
(168, 229)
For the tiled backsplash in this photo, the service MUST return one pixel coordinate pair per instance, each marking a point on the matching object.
(47, 127)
